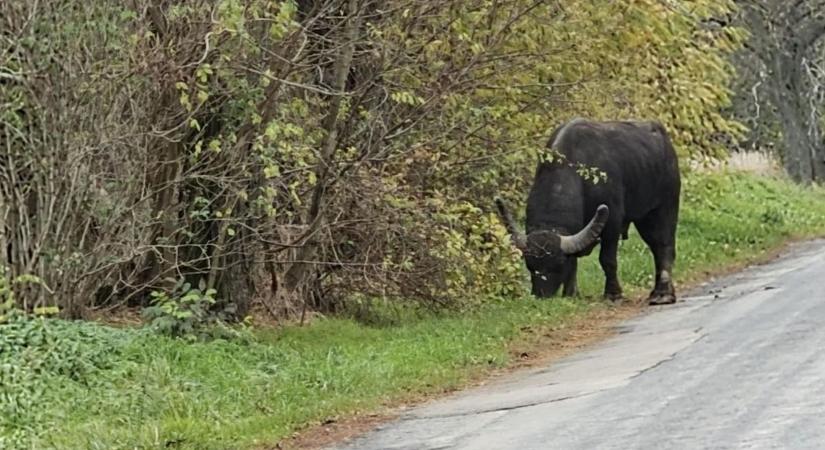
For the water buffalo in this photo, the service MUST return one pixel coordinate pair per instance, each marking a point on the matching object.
(642, 186)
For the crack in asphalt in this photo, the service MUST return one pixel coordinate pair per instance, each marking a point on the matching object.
(505, 408)
(671, 356)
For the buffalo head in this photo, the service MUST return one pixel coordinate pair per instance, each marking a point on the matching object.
(550, 256)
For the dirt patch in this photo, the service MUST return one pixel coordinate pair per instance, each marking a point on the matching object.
(333, 431)
(538, 347)
(118, 316)
(543, 346)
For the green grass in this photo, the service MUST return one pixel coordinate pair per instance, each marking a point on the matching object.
(147, 391)
(223, 394)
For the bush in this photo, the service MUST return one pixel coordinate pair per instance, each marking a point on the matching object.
(229, 141)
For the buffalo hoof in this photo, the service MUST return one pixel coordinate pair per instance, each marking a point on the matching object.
(661, 299)
(615, 297)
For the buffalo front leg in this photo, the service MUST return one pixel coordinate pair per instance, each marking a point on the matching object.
(570, 284)
(607, 259)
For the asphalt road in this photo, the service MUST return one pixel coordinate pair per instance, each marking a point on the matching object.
(738, 363)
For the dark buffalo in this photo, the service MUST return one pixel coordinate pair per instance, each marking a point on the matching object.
(642, 186)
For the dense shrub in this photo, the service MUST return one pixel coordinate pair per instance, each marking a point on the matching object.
(297, 152)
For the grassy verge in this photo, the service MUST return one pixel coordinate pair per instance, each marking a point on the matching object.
(68, 385)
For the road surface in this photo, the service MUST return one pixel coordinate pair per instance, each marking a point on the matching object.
(739, 363)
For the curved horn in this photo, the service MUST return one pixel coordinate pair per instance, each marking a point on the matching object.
(519, 239)
(588, 235)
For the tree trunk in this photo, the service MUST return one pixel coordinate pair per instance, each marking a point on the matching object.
(774, 92)
(297, 280)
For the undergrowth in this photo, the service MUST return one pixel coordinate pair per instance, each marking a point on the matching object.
(43, 364)
(72, 385)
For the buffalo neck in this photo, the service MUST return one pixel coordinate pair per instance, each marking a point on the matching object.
(555, 201)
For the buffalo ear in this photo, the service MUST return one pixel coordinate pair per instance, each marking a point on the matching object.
(518, 238)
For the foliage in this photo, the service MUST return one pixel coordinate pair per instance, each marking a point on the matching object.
(8, 301)
(111, 388)
(38, 358)
(230, 141)
(187, 312)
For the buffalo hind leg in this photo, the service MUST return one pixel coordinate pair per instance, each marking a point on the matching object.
(659, 233)
(663, 292)
(608, 261)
